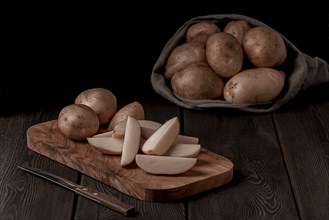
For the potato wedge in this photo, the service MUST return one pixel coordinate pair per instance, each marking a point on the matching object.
(149, 124)
(161, 140)
(149, 127)
(163, 165)
(183, 150)
(107, 145)
(104, 134)
(185, 139)
(131, 141)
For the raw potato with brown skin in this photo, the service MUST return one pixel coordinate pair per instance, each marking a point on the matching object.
(264, 47)
(78, 121)
(224, 54)
(256, 85)
(197, 81)
(134, 109)
(184, 54)
(237, 28)
(101, 100)
(201, 31)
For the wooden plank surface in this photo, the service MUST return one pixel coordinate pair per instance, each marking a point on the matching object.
(22, 195)
(260, 188)
(304, 136)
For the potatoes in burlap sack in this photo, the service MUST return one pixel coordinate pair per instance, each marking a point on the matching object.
(302, 71)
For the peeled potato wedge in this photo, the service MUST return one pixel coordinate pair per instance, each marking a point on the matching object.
(164, 165)
(147, 132)
(185, 139)
(162, 139)
(131, 141)
(104, 134)
(107, 145)
(149, 124)
(183, 150)
(149, 129)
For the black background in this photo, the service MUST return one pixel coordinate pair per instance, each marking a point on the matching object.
(50, 53)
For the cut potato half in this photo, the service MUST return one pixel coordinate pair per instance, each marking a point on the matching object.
(162, 139)
(131, 141)
(107, 145)
(163, 165)
(183, 150)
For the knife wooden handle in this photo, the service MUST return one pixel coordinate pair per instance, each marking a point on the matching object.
(106, 200)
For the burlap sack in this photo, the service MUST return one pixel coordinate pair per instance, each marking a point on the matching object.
(302, 71)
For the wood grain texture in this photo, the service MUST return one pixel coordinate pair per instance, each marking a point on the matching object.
(260, 188)
(304, 138)
(144, 210)
(24, 196)
(210, 171)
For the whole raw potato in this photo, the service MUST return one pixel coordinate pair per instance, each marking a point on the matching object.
(224, 54)
(101, 100)
(201, 31)
(264, 47)
(254, 86)
(237, 28)
(197, 81)
(133, 109)
(183, 55)
(78, 121)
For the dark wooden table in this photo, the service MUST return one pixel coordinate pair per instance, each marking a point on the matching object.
(281, 165)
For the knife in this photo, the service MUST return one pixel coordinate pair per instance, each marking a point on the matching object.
(92, 194)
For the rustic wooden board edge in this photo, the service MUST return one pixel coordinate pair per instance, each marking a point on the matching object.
(93, 166)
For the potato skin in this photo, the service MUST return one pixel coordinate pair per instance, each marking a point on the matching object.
(264, 47)
(201, 31)
(255, 85)
(237, 28)
(78, 121)
(184, 54)
(197, 81)
(224, 54)
(133, 109)
(101, 100)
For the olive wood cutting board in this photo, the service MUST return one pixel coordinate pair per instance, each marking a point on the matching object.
(210, 171)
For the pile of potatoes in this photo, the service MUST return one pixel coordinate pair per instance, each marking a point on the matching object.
(93, 111)
(237, 62)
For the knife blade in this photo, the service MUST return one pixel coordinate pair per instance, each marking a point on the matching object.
(87, 192)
